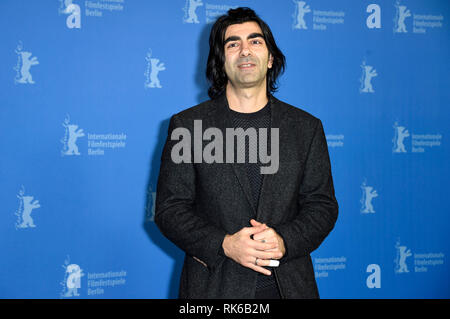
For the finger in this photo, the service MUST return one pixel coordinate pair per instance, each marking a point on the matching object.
(265, 240)
(272, 249)
(254, 230)
(266, 234)
(255, 223)
(258, 268)
(267, 254)
(263, 246)
(268, 262)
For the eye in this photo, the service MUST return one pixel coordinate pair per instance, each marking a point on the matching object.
(232, 45)
(256, 41)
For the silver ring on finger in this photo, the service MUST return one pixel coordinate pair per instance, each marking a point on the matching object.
(256, 261)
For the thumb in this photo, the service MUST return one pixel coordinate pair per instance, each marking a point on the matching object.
(256, 229)
(254, 223)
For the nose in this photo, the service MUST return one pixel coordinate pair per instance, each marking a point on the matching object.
(245, 50)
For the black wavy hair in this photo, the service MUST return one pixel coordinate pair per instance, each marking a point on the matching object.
(215, 71)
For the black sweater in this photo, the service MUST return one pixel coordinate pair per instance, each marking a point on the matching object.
(259, 119)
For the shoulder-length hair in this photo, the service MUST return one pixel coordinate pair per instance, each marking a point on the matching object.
(215, 71)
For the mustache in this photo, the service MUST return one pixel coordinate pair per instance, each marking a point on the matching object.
(247, 60)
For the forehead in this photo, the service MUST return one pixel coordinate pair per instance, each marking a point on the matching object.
(242, 29)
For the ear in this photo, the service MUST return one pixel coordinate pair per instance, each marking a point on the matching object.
(270, 63)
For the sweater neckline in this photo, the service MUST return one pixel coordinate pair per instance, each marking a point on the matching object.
(253, 115)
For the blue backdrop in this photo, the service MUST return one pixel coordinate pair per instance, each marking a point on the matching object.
(86, 92)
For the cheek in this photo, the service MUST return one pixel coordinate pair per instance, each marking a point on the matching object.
(228, 65)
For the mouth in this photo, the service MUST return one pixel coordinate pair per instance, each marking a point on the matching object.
(245, 66)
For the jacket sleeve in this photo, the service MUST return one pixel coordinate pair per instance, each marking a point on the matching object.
(174, 211)
(318, 208)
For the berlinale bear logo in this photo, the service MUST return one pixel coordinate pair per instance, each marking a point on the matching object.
(399, 21)
(24, 63)
(72, 133)
(301, 8)
(153, 68)
(368, 194)
(72, 279)
(400, 260)
(368, 72)
(400, 133)
(189, 11)
(26, 206)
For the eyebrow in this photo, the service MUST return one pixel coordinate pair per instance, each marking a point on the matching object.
(250, 36)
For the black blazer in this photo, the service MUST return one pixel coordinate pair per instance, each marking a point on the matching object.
(197, 204)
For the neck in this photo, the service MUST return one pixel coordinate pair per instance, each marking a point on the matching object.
(246, 100)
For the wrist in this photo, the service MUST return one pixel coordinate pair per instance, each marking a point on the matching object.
(225, 244)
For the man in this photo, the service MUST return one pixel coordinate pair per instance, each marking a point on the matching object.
(247, 234)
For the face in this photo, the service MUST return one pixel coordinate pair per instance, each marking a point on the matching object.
(246, 55)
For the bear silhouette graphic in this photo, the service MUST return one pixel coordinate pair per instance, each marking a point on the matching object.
(402, 14)
(190, 16)
(28, 206)
(400, 261)
(156, 67)
(27, 63)
(368, 195)
(300, 9)
(400, 134)
(74, 134)
(73, 281)
(368, 73)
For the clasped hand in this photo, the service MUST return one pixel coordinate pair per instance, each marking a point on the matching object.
(256, 252)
